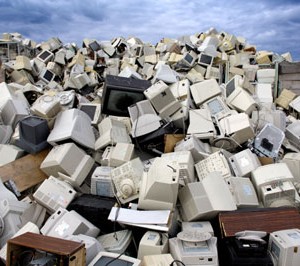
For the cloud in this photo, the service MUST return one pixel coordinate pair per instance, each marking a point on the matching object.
(270, 25)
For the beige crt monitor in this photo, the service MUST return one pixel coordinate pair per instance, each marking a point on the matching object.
(162, 99)
(116, 242)
(115, 156)
(69, 160)
(238, 98)
(111, 132)
(205, 199)
(292, 159)
(63, 223)
(144, 118)
(93, 110)
(13, 110)
(205, 90)
(218, 108)
(186, 165)
(243, 162)
(159, 187)
(101, 182)
(201, 124)
(243, 192)
(238, 127)
(73, 125)
(54, 193)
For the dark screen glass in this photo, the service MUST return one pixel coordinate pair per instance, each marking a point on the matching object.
(48, 75)
(119, 101)
(189, 58)
(44, 55)
(205, 59)
(94, 46)
(89, 110)
(230, 87)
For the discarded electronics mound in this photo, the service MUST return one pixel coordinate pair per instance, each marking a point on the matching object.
(154, 152)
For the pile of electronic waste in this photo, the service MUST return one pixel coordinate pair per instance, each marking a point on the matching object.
(148, 144)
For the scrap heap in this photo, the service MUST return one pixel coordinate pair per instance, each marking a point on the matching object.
(193, 127)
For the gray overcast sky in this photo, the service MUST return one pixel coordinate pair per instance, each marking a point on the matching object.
(269, 24)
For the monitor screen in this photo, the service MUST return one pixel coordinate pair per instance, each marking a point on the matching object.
(119, 101)
(119, 93)
(112, 261)
(189, 58)
(89, 110)
(215, 106)
(43, 55)
(230, 87)
(48, 75)
(205, 59)
(95, 46)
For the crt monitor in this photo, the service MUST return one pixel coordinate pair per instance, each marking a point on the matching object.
(47, 75)
(54, 193)
(159, 186)
(119, 93)
(69, 160)
(143, 118)
(109, 258)
(204, 200)
(45, 56)
(217, 108)
(93, 110)
(6, 132)
(205, 90)
(63, 223)
(72, 125)
(34, 132)
(13, 111)
(95, 46)
(238, 98)
(205, 60)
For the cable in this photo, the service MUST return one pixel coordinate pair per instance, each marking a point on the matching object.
(177, 261)
(114, 259)
(135, 245)
(174, 170)
(115, 223)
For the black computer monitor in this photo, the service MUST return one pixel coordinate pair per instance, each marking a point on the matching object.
(119, 93)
